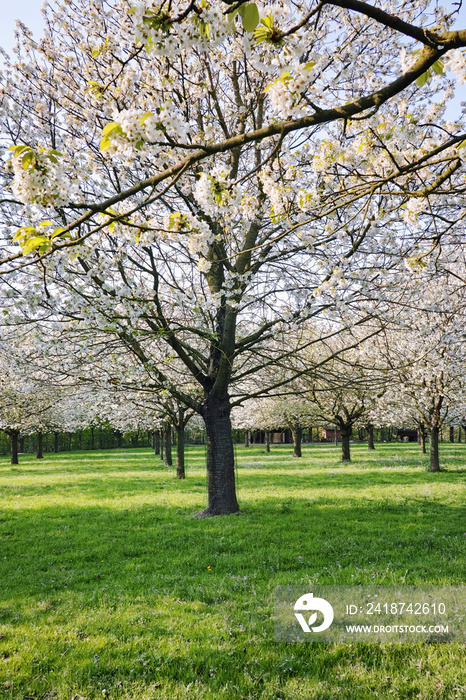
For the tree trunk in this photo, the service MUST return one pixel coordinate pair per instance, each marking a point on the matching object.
(297, 437)
(55, 442)
(39, 445)
(434, 451)
(180, 470)
(21, 444)
(423, 443)
(422, 438)
(162, 445)
(14, 435)
(452, 434)
(220, 457)
(157, 442)
(370, 437)
(247, 438)
(346, 432)
(336, 435)
(92, 438)
(168, 445)
(459, 433)
(267, 440)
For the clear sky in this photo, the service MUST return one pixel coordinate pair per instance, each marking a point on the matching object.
(28, 11)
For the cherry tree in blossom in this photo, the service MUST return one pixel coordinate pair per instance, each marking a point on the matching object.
(426, 357)
(207, 178)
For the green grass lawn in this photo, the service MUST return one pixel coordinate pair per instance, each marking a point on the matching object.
(110, 588)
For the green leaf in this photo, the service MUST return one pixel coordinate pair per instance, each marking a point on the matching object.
(261, 34)
(97, 50)
(144, 117)
(267, 21)
(422, 80)
(112, 128)
(24, 232)
(177, 221)
(58, 231)
(416, 261)
(107, 131)
(437, 67)
(285, 77)
(231, 15)
(105, 144)
(27, 159)
(149, 44)
(250, 16)
(18, 150)
(34, 243)
(96, 87)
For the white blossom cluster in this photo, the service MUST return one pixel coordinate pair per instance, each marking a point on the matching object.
(215, 194)
(276, 192)
(45, 182)
(249, 207)
(164, 38)
(140, 129)
(413, 207)
(328, 153)
(407, 60)
(285, 92)
(200, 237)
(374, 153)
(200, 240)
(456, 61)
(204, 193)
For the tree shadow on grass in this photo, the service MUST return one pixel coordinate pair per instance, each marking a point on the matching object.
(62, 548)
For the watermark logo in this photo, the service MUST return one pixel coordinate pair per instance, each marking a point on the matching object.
(374, 613)
(307, 603)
